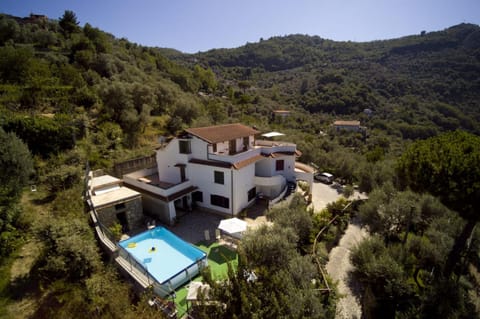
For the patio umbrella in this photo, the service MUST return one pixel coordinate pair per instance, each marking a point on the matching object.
(232, 225)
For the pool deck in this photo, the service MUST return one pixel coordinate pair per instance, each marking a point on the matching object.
(192, 226)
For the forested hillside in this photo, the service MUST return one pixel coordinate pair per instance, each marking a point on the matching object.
(71, 95)
(416, 86)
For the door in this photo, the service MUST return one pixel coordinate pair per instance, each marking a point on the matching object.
(182, 173)
(232, 146)
(122, 219)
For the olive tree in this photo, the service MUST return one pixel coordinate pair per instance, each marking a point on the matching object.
(447, 166)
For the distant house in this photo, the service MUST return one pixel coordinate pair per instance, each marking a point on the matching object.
(281, 114)
(36, 18)
(353, 126)
(115, 203)
(218, 168)
(368, 112)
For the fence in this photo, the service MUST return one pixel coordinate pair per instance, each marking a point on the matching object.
(130, 166)
(129, 264)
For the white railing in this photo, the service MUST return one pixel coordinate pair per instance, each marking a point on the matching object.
(269, 181)
(268, 147)
(278, 198)
(234, 158)
(165, 192)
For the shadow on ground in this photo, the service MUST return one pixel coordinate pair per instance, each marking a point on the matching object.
(222, 254)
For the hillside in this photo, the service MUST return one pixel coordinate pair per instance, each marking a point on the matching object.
(421, 84)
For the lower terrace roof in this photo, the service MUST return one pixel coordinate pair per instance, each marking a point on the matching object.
(118, 195)
(237, 165)
(166, 198)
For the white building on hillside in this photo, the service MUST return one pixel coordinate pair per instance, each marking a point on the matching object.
(220, 168)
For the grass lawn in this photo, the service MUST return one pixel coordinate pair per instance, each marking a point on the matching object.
(218, 258)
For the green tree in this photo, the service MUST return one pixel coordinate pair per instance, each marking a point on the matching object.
(271, 247)
(68, 22)
(447, 166)
(382, 275)
(9, 29)
(127, 105)
(16, 166)
(15, 64)
(70, 250)
(295, 216)
(391, 213)
(206, 77)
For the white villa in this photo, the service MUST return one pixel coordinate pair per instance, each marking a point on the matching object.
(218, 168)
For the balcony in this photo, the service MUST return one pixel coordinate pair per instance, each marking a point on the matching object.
(269, 147)
(147, 179)
(260, 147)
(234, 158)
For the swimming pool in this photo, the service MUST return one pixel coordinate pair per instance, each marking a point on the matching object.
(168, 259)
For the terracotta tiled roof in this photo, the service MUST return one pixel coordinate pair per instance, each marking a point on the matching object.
(247, 162)
(222, 133)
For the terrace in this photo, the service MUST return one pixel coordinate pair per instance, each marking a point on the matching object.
(147, 179)
(260, 147)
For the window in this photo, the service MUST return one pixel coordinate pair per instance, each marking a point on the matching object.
(218, 177)
(252, 193)
(214, 147)
(197, 196)
(184, 147)
(279, 165)
(219, 201)
(120, 206)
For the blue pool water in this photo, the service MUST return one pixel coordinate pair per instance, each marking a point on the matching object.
(161, 253)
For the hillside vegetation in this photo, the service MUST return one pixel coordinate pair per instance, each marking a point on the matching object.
(71, 95)
(416, 86)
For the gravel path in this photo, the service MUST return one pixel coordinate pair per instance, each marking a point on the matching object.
(338, 267)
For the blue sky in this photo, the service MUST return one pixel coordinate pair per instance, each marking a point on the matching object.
(192, 26)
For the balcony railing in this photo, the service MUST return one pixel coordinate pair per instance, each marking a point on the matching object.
(268, 147)
(234, 158)
(260, 147)
(160, 188)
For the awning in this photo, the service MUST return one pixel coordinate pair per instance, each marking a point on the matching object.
(232, 225)
(272, 134)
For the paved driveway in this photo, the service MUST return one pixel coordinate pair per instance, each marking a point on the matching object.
(339, 266)
(322, 194)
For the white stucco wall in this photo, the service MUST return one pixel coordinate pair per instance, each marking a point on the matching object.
(267, 167)
(270, 186)
(244, 180)
(158, 209)
(289, 168)
(199, 148)
(167, 158)
(203, 177)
